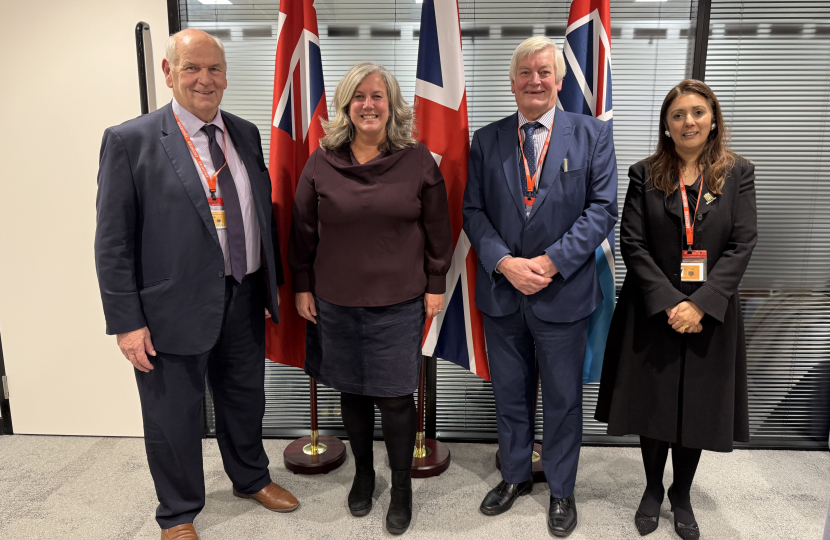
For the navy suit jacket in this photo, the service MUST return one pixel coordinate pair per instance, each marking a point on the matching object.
(157, 253)
(573, 213)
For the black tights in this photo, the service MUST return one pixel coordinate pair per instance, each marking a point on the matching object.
(398, 421)
(684, 462)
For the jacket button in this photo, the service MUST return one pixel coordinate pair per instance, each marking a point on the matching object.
(221, 273)
(700, 216)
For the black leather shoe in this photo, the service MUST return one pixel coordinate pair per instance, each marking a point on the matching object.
(645, 524)
(400, 505)
(501, 498)
(686, 531)
(562, 516)
(360, 496)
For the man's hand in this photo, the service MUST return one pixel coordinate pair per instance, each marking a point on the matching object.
(549, 269)
(305, 306)
(135, 346)
(685, 317)
(433, 304)
(524, 274)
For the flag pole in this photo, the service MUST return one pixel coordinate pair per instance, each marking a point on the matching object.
(314, 454)
(430, 457)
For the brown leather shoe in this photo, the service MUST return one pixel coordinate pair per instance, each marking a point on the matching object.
(180, 532)
(273, 497)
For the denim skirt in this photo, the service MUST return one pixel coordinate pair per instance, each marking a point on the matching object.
(373, 351)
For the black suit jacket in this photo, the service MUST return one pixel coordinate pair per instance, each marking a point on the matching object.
(646, 361)
(157, 253)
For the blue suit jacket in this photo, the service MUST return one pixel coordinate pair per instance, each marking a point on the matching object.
(573, 213)
(157, 253)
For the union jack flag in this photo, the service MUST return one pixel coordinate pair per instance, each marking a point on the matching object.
(299, 103)
(586, 89)
(457, 333)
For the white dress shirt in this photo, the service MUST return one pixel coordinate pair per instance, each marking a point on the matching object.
(240, 178)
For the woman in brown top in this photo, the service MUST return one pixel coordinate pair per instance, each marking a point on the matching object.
(370, 248)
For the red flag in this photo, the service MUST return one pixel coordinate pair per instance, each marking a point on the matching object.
(299, 103)
(457, 333)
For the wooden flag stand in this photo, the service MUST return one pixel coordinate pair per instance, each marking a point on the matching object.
(314, 454)
(537, 470)
(430, 457)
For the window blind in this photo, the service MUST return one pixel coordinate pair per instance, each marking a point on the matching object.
(767, 62)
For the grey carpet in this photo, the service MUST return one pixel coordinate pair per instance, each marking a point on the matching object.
(100, 488)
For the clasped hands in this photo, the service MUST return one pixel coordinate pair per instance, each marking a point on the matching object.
(685, 317)
(529, 276)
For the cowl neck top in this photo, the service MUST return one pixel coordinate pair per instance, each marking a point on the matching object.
(371, 234)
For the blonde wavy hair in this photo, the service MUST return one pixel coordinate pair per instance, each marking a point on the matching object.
(400, 128)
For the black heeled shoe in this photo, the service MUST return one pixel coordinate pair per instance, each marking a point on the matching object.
(360, 496)
(686, 531)
(645, 524)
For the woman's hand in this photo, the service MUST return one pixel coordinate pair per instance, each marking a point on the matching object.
(305, 306)
(685, 317)
(433, 304)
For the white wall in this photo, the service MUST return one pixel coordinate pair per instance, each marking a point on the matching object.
(69, 72)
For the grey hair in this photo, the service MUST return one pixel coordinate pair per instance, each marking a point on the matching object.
(171, 48)
(532, 45)
(399, 127)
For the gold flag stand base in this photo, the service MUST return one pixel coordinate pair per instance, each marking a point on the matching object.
(430, 457)
(316, 454)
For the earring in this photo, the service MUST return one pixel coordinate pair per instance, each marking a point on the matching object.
(714, 125)
(667, 133)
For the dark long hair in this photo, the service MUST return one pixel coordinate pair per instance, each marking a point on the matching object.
(716, 158)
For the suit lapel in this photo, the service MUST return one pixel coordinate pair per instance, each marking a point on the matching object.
(509, 151)
(557, 150)
(673, 204)
(176, 148)
(704, 207)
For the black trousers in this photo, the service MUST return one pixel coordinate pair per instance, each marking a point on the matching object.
(172, 396)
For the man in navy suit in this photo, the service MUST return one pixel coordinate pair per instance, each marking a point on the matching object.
(188, 267)
(541, 196)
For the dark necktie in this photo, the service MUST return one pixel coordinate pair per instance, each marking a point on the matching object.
(529, 151)
(528, 147)
(233, 210)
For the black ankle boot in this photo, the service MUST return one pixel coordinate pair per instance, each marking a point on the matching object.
(360, 496)
(400, 507)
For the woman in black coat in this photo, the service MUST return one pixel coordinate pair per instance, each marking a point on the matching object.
(675, 360)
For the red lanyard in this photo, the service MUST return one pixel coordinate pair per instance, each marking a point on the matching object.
(531, 181)
(211, 180)
(690, 232)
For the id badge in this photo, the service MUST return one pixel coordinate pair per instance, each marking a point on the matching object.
(693, 266)
(217, 211)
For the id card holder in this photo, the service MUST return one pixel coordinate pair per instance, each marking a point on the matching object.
(693, 266)
(217, 211)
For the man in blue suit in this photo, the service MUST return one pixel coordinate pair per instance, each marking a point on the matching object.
(188, 267)
(541, 196)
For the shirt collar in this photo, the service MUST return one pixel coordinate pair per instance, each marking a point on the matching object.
(546, 119)
(191, 123)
